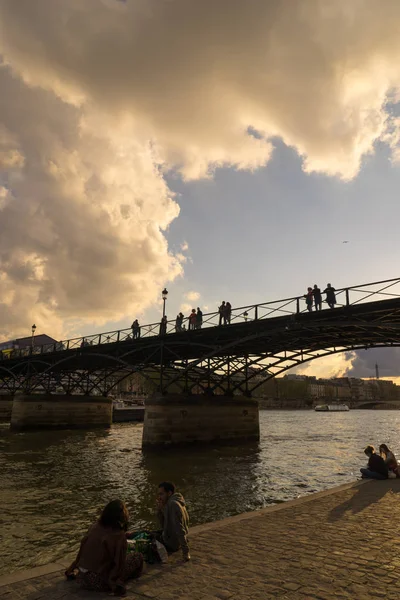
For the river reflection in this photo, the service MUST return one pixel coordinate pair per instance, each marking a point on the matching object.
(54, 483)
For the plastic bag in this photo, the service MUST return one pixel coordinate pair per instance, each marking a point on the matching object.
(162, 553)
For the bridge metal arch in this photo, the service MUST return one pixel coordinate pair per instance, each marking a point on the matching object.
(231, 359)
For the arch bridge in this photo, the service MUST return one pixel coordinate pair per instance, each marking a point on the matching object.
(260, 342)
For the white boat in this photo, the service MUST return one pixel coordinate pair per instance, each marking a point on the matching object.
(332, 407)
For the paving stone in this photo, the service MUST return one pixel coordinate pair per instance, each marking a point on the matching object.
(315, 549)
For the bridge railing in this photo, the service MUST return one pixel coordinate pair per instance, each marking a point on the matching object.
(349, 296)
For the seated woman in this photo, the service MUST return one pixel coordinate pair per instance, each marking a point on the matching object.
(102, 561)
(377, 468)
(390, 460)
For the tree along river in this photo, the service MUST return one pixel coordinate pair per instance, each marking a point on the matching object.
(54, 483)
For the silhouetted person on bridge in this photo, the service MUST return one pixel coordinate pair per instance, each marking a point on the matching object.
(192, 319)
(330, 295)
(221, 311)
(199, 318)
(135, 329)
(309, 299)
(228, 313)
(163, 325)
(317, 297)
(179, 322)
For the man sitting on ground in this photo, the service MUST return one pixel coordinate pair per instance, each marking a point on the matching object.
(174, 519)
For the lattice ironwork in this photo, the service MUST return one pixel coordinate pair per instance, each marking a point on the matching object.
(232, 359)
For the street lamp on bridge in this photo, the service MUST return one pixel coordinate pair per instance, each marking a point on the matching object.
(164, 294)
(33, 334)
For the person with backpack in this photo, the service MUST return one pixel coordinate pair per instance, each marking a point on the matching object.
(330, 295)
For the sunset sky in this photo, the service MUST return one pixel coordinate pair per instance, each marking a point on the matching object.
(222, 149)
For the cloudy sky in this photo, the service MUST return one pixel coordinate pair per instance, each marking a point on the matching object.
(223, 149)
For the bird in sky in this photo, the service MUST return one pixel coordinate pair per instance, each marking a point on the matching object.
(345, 242)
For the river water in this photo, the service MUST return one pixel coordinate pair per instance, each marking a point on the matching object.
(52, 484)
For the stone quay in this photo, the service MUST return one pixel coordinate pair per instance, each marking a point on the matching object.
(337, 544)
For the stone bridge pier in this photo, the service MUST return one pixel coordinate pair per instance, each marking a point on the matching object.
(47, 411)
(6, 404)
(181, 419)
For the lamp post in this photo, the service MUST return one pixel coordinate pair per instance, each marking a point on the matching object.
(164, 294)
(33, 334)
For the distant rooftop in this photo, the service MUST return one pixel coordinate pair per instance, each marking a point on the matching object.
(25, 342)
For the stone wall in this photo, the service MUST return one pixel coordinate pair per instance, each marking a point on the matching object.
(38, 411)
(178, 419)
(6, 403)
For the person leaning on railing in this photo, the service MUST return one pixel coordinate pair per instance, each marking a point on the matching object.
(330, 295)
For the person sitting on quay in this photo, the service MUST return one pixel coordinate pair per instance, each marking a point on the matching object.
(173, 518)
(390, 461)
(103, 563)
(135, 329)
(309, 299)
(330, 295)
(199, 318)
(317, 297)
(377, 469)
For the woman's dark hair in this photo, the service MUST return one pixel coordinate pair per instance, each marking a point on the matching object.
(168, 486)
(369, 450)
(115, 515)
(385, 449)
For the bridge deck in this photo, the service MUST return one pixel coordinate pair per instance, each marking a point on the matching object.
(367, 323)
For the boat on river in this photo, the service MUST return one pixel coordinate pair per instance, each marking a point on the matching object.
(332, 408)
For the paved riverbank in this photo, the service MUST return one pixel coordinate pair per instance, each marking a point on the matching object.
(340, 544)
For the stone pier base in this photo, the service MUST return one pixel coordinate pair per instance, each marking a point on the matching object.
(177, 419)
(6, 403)
(37, 411)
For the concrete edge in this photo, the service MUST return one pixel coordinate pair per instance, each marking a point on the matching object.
(61, 565)
(19, 576)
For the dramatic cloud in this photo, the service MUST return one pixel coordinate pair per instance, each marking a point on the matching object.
(82, 209)
(192, 296)
(100, 98)
(364, 361)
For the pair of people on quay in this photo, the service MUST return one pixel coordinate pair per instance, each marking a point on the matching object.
(107, 557)
(314, 297)
(380, 466)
